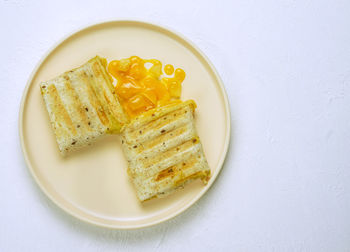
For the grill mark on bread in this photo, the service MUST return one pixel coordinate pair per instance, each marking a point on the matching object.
(158, 123)
(155, 114)
(180, 176)
(96, 69)
(100, 70)
(111, 112)
(149, 167)
(59, 110)
(175, 169)
(164, 142)
(93, 98)
(111, 98)
(198, 174)
(78, 106)
(100, 92)
(168, 172)
(167, 137)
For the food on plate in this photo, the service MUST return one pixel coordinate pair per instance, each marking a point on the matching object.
(160, 142)
(141, 85)
(163, 150)
(83, 105)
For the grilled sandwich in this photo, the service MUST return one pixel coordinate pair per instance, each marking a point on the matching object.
(163, 150)
(82, 105)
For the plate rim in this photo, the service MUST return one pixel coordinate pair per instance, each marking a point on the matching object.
(146, 24)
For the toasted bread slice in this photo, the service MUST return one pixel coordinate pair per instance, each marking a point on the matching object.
(82, 105)
(163, 150)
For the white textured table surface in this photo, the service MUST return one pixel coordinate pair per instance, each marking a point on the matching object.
(286, 182)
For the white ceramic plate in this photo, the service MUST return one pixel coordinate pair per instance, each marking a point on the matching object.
(92, 184)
